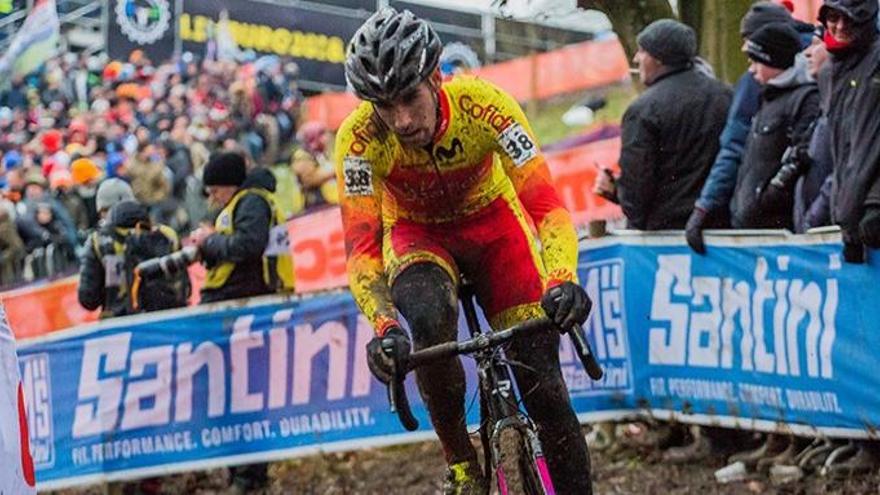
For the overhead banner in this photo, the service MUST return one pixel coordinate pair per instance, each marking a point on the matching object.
(762, 333)
(147, 26)
(314, 39)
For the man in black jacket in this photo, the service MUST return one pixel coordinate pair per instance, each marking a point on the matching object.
(789, 106)
(851, 39)
(247, 250)
(247, 253)
(670, 133)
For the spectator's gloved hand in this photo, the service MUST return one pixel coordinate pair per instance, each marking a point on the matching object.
(693, 230)
(853, 252)
(869, 227)
(383, 352)
(566, 304)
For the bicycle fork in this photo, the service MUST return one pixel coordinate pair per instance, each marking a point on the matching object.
(504, 415)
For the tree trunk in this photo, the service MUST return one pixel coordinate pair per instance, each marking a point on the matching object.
(720, 43)
(715, 21)
(629, 17)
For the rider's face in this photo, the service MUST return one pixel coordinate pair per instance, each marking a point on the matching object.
(413, 116)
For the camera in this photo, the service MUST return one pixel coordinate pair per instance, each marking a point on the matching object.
(168, 265)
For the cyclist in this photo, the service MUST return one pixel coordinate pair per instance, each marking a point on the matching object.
(439, 179)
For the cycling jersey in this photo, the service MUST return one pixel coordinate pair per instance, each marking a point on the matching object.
(483, 160)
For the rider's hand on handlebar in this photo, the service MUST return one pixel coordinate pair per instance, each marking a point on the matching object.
(383, 352)
(566, 304)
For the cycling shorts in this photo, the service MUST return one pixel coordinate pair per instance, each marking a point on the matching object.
(494, 248)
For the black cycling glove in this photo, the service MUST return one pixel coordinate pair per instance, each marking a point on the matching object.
(566, 304)
(383, 352)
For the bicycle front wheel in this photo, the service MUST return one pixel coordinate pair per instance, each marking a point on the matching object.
(519, 466)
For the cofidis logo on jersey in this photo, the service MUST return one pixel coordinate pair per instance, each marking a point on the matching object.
(143, 21)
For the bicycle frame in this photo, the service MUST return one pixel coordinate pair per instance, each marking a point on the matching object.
(500, 401)
(499, 393)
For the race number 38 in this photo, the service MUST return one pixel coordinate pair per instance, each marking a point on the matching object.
(518, 144)
(358, 175)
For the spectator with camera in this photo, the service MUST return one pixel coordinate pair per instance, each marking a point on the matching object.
(247, 252)
(714, 199)
(127, 237)
(781, 130)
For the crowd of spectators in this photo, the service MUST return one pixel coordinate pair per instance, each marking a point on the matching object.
(795, 147)
(81, 120)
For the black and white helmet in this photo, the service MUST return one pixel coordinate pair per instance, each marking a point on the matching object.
(391, 54)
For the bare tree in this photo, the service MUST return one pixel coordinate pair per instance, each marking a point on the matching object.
(629, 17)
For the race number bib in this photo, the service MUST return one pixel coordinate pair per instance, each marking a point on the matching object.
(358, 175)
(518, 144)
(279, 241)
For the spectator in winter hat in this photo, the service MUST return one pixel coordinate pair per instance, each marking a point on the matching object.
(789, 106)
(712, 207)
(669, 134)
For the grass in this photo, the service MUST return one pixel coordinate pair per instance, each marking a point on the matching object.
(546, 116)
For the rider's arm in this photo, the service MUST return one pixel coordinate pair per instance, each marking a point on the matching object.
(360, 201)
(525, 165)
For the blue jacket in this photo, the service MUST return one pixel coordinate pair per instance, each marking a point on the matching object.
(718, 189)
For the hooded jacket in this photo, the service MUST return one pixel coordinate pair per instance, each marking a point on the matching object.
(251, 220)
(854, 123)
(789, 106)
(670, 139)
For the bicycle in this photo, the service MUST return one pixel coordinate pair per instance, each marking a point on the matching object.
(511, 447)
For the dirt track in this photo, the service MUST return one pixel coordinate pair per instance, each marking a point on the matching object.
(418, 469)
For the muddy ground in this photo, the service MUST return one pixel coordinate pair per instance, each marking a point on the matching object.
(418, 469)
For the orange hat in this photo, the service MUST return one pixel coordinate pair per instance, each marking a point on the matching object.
(127, 90)
(60, 178)
(51, 141)
(84, 170)
(112, 70)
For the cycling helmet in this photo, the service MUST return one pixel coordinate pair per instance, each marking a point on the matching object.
(391, 54)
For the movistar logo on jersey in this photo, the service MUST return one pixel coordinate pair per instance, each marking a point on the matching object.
(143, 21)
(442, 154)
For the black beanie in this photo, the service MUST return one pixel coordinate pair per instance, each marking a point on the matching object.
(669, 41)
(774, 45)
(760, 14)
(127, 214)
(225, 169)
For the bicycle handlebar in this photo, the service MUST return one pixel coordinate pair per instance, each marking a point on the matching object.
(397, 392)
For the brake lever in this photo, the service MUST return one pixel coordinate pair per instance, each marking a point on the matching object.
(397, 399)
(585, 353)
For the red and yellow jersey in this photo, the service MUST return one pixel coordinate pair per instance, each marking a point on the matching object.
(483, 150)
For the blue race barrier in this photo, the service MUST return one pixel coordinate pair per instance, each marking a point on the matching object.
(763, 333)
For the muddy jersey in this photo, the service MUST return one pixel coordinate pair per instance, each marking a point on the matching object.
(484, 151)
